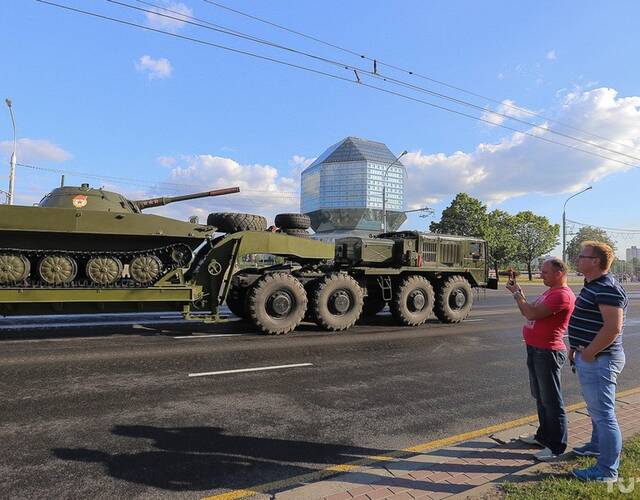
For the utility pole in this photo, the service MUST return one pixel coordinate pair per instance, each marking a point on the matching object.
(384, 190)
(12, 162)
(564, 222)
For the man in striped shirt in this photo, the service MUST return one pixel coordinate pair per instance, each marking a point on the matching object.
(595, 337)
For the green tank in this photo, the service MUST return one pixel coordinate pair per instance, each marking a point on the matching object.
(84, 237)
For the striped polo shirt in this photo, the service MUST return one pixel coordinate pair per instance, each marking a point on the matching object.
(586, 320)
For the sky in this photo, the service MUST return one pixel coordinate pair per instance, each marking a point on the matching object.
(147, 113)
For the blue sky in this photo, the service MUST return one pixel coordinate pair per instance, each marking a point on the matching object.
(107, 99)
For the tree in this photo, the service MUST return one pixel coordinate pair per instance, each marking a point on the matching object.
(587, 233)
(499, 233)
(534, 236)
(466, 216)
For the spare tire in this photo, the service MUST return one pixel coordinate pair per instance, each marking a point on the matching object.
(300, 233)
(232, 222)
(293, 221)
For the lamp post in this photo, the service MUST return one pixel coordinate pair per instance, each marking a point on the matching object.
(12, 162)
(384, 190)
(564, 222)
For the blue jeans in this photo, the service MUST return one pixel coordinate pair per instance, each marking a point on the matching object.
(545, 367)
(598, 384)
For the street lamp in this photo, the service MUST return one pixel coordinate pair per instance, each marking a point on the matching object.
(12, 162)
(564, 222)
(384, 190)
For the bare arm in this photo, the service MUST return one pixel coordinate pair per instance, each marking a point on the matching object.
(612, 320)
(529, 311)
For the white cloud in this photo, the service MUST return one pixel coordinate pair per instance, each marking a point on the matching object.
(166, 161)
(168, 17)
(35, 150)
(506, 107)
(551, 55)
(301, 161)
(262, 189)
(154, 68)
(520, 164)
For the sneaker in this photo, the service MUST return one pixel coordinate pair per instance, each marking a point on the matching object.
(530, 439)
(586, 451)
(545, 455)
(592, 474)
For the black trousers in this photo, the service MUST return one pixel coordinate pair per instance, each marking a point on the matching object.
(545, 378)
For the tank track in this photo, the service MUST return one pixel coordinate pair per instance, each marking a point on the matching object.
(33, 281)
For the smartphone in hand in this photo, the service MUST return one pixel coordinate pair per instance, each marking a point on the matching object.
(512, 278)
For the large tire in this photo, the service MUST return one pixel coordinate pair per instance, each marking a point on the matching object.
(454, 300)
(276, 303)
(300, 233)
(232, 222)
(293, 221)
(236, 299)
(336, 302)
(412, 301)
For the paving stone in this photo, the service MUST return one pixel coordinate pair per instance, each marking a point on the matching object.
(339, 496)
(631, 399)
(512, 434)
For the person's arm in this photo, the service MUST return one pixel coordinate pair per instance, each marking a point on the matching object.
(529, 311)
(612, 321)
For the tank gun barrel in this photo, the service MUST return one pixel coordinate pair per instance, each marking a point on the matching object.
(164, 200)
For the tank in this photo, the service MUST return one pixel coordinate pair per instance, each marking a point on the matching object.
(78, 236)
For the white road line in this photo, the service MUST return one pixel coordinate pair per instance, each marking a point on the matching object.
(244, 370)
(473, 320)
(186, 337)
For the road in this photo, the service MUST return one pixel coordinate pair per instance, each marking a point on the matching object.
(109, 410)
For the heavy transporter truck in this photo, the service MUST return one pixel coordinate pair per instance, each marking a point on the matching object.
(84, 250)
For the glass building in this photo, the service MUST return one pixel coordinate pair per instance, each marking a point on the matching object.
(342, 189)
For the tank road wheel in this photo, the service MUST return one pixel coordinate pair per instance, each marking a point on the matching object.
(292, 221)
(276, 303)
(412, 301)
(14, 268)
(454, 300)
(336, 302)
(104, 270)
(145, 268)
(236, 299)
(57, 269)
(231, 222)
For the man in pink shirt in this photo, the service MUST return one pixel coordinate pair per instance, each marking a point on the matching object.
(547, 321)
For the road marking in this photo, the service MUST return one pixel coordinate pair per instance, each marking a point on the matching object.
(186, 337)
(245, 370)
(353, 466)
(473, 320)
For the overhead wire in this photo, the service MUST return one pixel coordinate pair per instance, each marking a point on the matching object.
(194, 21)
(376, 62)
(331, 75)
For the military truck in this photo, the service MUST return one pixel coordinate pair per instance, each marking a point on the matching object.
(414, 273)
(86, 250)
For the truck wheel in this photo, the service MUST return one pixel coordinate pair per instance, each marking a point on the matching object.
(236, 301)
(276, 303)
(292, 221)
(454, 300)
(336, 302)
(412, 301)
(232, 222)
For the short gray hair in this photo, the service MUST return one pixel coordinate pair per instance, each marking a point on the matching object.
(558, 264)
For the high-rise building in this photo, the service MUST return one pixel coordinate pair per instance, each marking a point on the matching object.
(633, 253)
(342, 189)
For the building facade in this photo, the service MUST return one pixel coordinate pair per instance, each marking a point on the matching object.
(633, 253)
(342, 189)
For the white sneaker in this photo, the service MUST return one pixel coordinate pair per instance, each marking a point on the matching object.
(530, 439)
(545, 455)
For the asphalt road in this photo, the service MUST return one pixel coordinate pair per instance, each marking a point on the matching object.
(108, 410)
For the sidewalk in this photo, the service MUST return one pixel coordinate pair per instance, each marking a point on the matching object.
(469, 469)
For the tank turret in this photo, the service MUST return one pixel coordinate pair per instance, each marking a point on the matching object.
(87, 198)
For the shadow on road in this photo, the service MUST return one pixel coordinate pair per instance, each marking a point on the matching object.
(205, 458)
